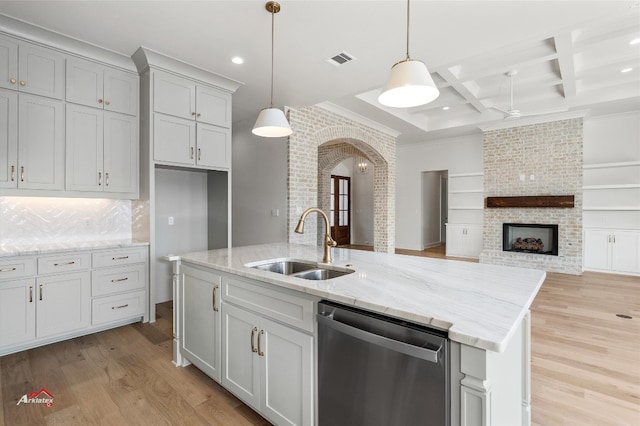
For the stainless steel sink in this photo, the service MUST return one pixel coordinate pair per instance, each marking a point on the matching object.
(301, 269)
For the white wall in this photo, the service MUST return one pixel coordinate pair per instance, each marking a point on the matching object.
(457, 155)
(259, 186)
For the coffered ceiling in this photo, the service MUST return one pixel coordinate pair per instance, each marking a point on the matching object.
(568, 54)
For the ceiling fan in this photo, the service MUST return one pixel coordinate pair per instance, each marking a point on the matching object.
(513, 113)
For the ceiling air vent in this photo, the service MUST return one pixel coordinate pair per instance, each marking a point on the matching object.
(341, 59)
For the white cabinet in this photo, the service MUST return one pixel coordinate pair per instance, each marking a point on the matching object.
(102, 151)
(464, 240)
(17, 301)
(268, 365)
(201, 321)
(191, 123)
(40, 143)
(94, 85)
(31, 69)
(8, 138)
(63, 303)
(609, 250)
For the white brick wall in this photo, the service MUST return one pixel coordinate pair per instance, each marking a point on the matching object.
(551, 153)
(316, 130)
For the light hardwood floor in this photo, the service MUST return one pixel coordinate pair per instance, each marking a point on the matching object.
(585, 367)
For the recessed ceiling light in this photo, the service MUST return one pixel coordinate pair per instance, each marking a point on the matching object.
(446, 108)
(626, 70)
(237, 60)
(635, 41)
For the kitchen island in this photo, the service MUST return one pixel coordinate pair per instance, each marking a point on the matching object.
(484, 308)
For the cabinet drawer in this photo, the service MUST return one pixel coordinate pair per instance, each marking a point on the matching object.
(119, 257)
(16, 267)
(284, 307)
(118, 307)
(64, 263)
(118, 280)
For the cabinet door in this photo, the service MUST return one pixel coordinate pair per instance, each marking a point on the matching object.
(596, 249)
(213, 106)
(174, 95)
(8, 63)
(287, 375)
(240, 364)
(84, 149)
(120, 92)
(41, 71)
(214, 146)
(201, 322)
(63, 303)
(8, 138)
(174, 140)
(84, 83)
(625, 252)
(473, 241)
(40, 143)
(17, 312)
(455, 240)
(120, 153)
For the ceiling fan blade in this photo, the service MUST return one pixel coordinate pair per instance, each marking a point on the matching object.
(545, 112)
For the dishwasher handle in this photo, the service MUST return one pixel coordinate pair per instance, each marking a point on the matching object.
(394, 345)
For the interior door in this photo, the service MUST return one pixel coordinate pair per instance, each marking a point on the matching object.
(340, 215)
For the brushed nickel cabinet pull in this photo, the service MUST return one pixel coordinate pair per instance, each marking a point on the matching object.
(198, 115)
(107, 102)
(30, 294)
(199, 154)
(13, 173)
(21, 173)
(253, 333)
(260, 353)
(23, 83)
(106, 176)
(215, 308)
(65, 264)
(192, 153)
(7, 270)
(120, 280)
(120, 258)
(40, 291)
(193, 113)
(13, 80)
(99, 101)
(119, 307)
(99, 178)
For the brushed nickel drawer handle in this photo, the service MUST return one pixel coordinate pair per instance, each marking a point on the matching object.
(120, 280)
(260, 353)
(30, 294)
(99, 101)
(13, 173)
(120, 258)
(253, 333)
(106, 176)
(65, 264)
(119, 307)
(40, 291)
(107, 103)
(13, 80)
(23, 83)
(8, 269)
(21, 173)
(199, 154)
(99, 178)
(215, 308)
(198, 115)
(192, 153)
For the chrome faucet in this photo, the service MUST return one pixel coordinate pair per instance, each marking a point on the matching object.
(328, 241)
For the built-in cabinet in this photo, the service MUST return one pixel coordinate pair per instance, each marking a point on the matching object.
(192, 123)
(464, 240)
(48, 298)
(93, 151)
(611, 250)
(255, 340)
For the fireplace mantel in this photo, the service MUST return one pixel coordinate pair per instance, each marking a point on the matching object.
(552, 201)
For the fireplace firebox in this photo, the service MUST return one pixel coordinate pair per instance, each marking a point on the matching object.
(530, 238)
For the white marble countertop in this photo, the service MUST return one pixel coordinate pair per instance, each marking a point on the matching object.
(44, 248)
(480, 305)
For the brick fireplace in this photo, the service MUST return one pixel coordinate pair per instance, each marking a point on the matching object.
(543, 159)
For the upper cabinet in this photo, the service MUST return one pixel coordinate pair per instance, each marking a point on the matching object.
(8, 138)
(184, 98)
(94, 85)
(31, 69)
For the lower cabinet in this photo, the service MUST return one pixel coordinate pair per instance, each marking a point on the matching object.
(611, 250)
(17, 312)
(268, 365)
(201, 322)
(464, 240)
(63, 303)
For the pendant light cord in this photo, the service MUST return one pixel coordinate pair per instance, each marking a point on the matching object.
(272, 43)
(408, 30)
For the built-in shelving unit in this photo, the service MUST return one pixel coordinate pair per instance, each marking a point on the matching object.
(466, 205)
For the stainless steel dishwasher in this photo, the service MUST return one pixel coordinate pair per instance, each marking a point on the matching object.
(377, 370)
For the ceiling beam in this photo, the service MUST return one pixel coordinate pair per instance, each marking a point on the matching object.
(468, 90)
(564, 49)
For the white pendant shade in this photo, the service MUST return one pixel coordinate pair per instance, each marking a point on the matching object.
(409, 85)
(272, 123)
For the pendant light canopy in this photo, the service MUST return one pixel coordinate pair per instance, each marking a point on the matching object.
(409, 83)
(271, 122)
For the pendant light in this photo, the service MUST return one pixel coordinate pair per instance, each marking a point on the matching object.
(409, 83)
(271, 122)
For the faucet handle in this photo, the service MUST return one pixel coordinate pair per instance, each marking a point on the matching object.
(330, 241)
